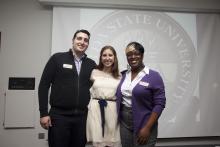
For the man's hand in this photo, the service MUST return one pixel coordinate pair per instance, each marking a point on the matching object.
(45, 122)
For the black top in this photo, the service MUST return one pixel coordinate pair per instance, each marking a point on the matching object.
(69, 91)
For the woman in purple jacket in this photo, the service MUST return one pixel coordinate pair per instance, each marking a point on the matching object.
(140, 100)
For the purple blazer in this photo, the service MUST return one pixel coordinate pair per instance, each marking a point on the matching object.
(147, 96)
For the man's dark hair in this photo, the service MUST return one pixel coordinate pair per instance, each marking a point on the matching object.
(82, 31)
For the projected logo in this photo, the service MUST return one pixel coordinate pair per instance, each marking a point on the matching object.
(168, 49)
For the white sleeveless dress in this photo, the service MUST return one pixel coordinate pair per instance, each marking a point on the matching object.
(104, 87)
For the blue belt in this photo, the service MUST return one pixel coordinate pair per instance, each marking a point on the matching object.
(102, 104)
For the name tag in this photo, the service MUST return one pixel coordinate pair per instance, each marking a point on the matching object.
(145, 84)
(67, 66)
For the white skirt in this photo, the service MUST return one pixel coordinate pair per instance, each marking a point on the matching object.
(94, 128)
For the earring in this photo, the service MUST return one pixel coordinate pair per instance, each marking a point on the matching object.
(128, 67)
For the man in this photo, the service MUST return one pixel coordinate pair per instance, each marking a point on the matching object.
(67, 75)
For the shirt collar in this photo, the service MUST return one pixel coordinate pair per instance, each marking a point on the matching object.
(146, 70)
(79, 58)
(75, 57)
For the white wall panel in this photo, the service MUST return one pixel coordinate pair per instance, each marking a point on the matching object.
(19, 109)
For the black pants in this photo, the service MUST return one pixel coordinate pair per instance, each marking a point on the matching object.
(67, 131)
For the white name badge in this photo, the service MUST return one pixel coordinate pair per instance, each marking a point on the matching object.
(145, 84)
(67, 66)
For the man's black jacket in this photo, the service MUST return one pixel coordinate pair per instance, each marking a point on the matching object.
(69, 91)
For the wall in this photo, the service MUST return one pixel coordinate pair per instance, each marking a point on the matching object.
(209, 6)
(26, 27)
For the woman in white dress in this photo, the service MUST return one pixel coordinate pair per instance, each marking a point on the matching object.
(102, 126)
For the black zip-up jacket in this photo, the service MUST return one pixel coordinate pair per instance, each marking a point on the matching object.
(69, 91)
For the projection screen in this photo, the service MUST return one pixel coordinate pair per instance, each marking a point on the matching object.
(183, 47)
